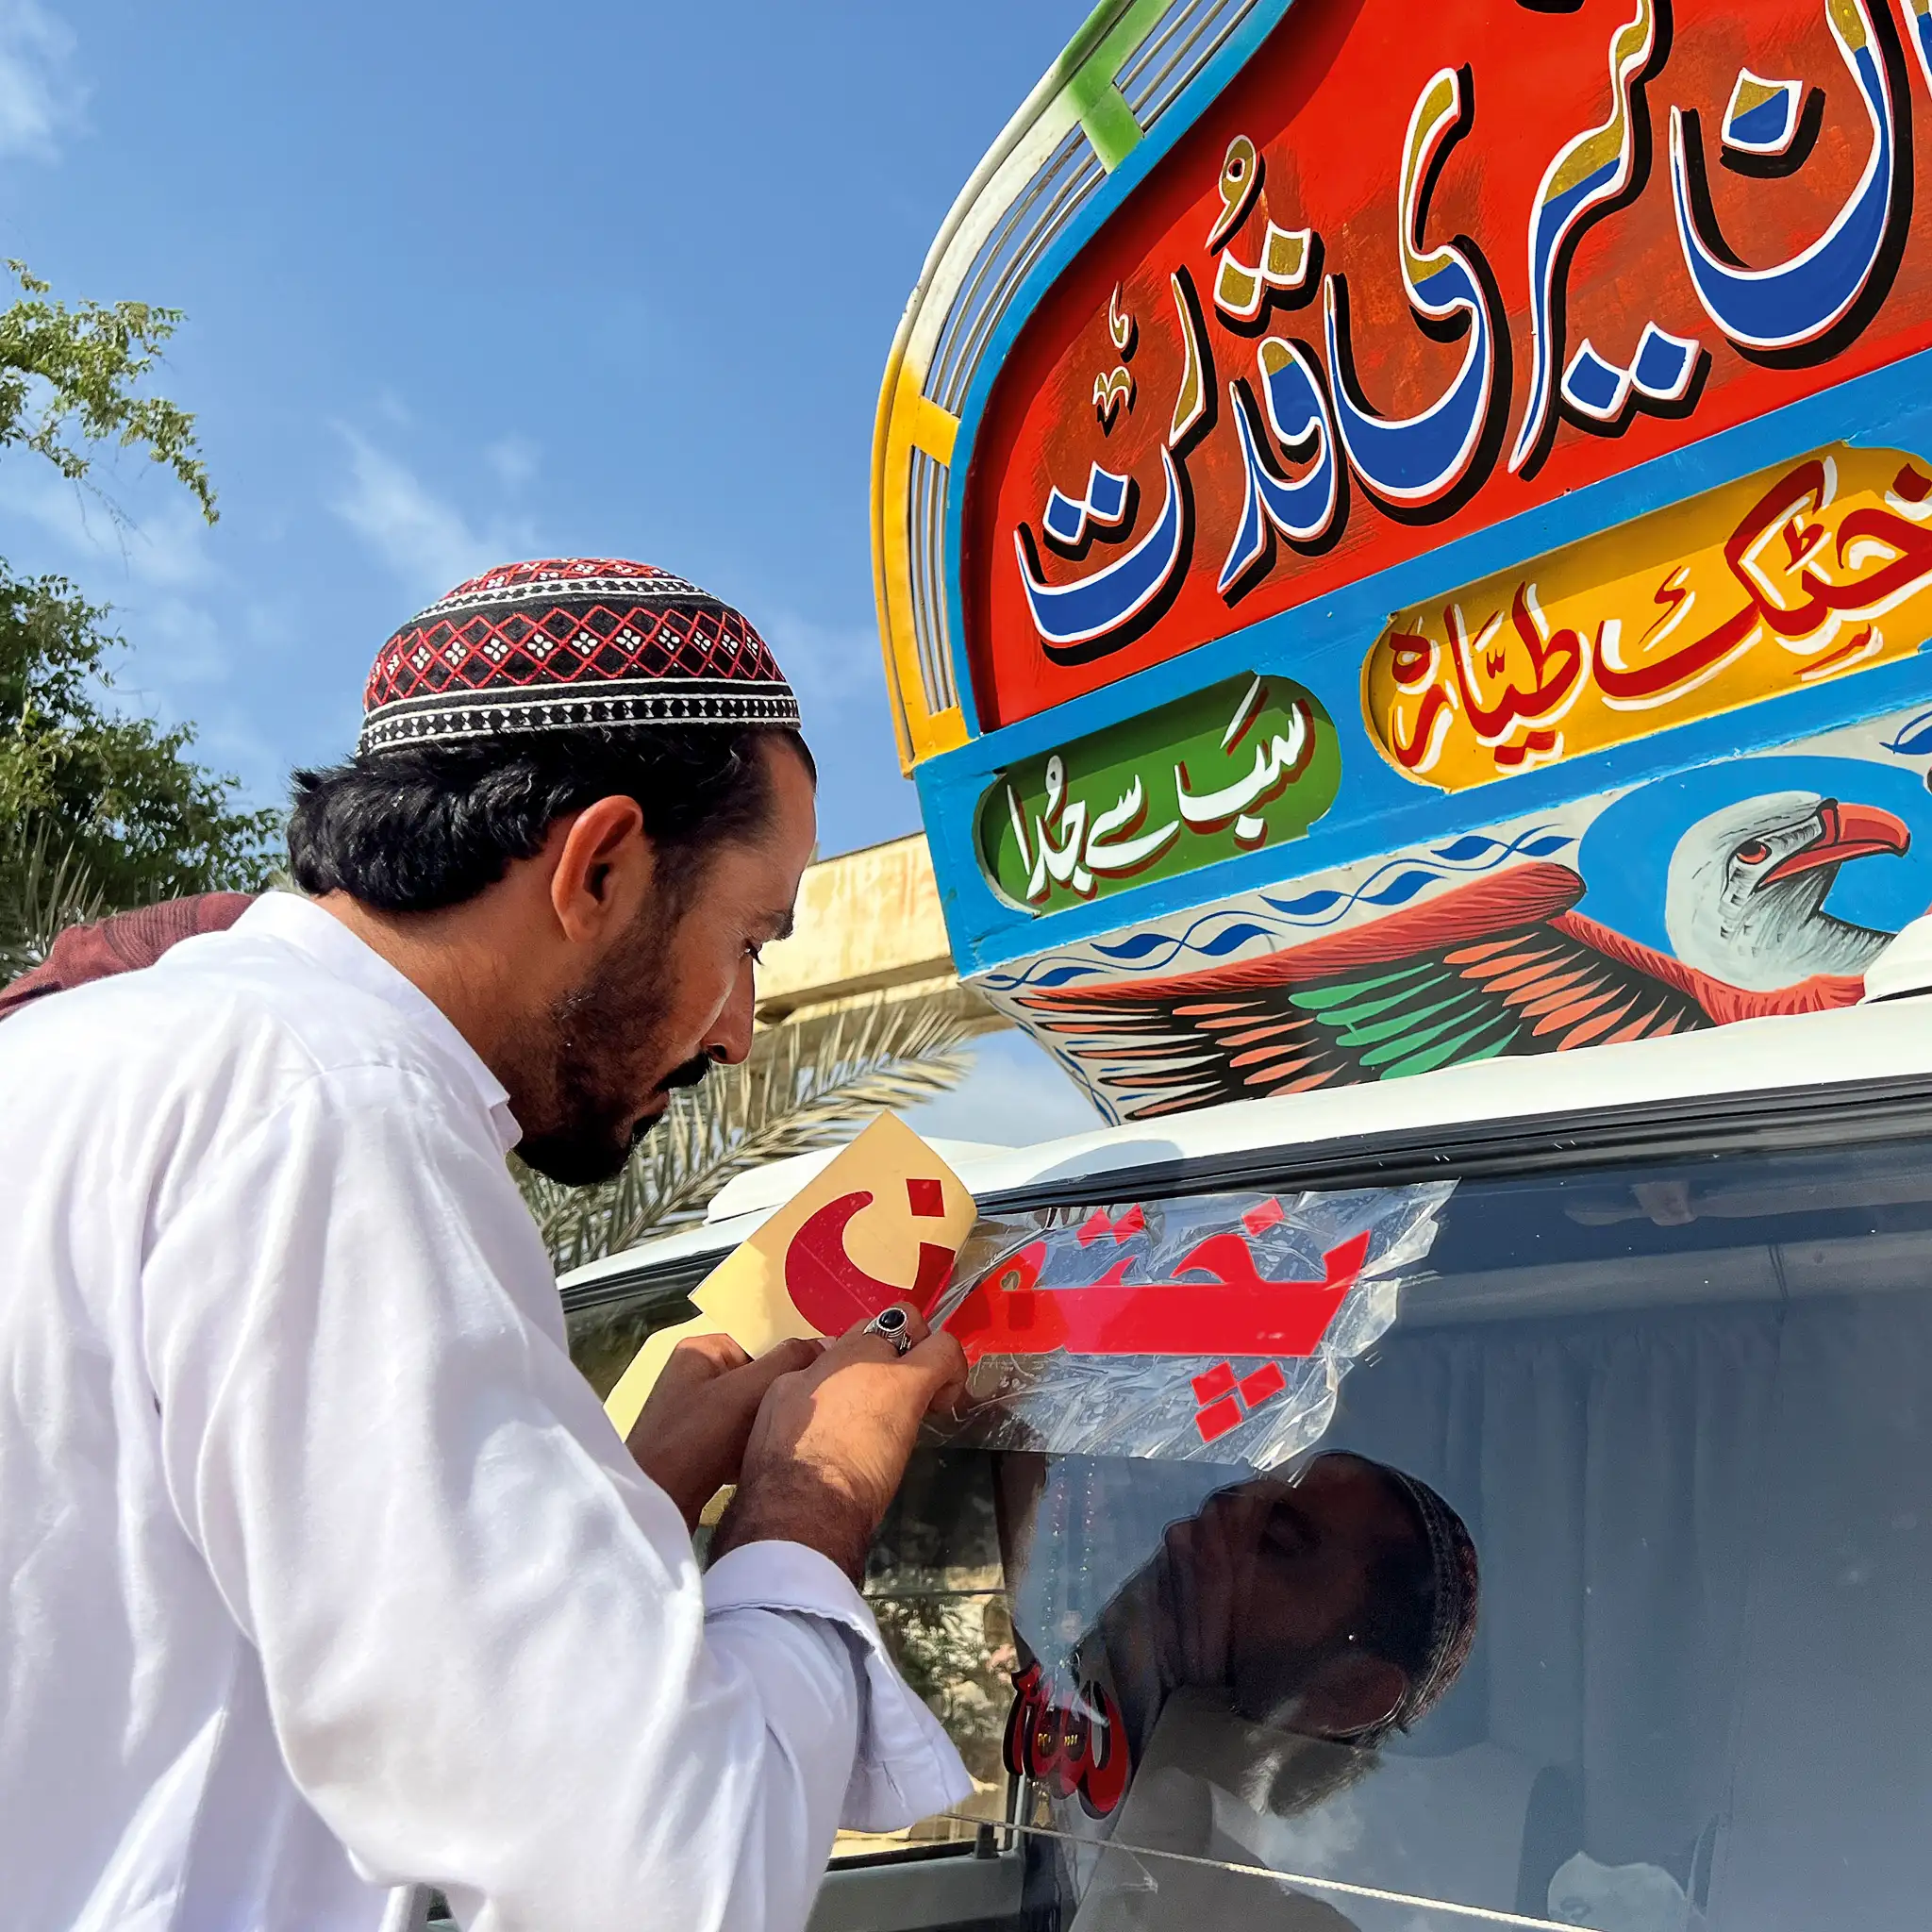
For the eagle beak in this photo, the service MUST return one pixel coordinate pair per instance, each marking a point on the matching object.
(1846, 831)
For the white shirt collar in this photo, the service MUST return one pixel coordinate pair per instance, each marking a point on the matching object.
(294, 920)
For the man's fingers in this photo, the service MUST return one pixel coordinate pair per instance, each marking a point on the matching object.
(719, 1350)
(740, 1391)
(785, 1358)
(862, 1342)
(936, 1362)
(800, 1352)
(700, 1358)
(942, 1362)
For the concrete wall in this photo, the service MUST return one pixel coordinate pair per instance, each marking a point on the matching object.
(868, 920)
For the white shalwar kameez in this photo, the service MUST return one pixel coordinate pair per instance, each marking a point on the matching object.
(324, 1572)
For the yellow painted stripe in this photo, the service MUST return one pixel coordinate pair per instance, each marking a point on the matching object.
(884, 584)
(913, 423)
(932, 428)
(908, 420)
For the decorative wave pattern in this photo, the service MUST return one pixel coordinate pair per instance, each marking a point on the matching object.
(1393, 883)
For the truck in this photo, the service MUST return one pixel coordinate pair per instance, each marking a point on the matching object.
(1403, 542)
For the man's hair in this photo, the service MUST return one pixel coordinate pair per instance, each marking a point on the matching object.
(1397, 1621)
(415, 828)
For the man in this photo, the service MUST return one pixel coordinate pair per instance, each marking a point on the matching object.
(1338, 1607)
(1253, 1665)
(326, 1574)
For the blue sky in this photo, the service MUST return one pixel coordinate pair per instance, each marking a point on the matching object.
(471, 282)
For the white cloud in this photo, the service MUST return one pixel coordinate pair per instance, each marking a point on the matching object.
(180, 638)
(153, 572)
(40, 98)
(77, 520)
(166, 548)
(1013, 1095)
(829, 664)
(425, 539)
(228, 740)
(393, 410)
(166, 596)
(169, 549)
(513, 460)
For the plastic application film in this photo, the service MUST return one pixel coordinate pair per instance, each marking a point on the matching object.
(1216, 1328)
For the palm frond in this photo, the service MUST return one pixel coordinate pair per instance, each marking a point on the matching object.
(44, 888)
(807, 1085)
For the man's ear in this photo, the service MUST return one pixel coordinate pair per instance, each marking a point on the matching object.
(605, 871)
(1350, 1693)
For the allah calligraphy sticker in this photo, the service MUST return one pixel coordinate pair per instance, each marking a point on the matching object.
(1215, 1327)
(1247, 764)
(881, 1224)
(1249, 1315)
(1813, 571)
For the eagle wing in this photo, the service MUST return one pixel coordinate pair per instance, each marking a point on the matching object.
(1499, 966)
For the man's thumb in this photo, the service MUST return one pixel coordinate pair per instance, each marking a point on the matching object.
(783, 1358)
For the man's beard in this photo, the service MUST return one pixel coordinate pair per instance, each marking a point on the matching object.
(597, 1036)
(1303, 1771)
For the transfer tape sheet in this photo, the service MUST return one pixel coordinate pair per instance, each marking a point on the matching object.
(1216, 1328)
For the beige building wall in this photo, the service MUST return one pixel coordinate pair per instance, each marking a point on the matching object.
(868, 923)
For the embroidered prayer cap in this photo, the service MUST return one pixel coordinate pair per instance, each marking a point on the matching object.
(563, 642)
(1457, 1595)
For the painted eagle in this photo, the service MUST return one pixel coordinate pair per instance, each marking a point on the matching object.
(1501, 965)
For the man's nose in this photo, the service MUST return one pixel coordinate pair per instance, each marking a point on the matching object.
(729, 1040)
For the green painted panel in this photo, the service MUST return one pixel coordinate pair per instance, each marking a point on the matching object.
(1249, 763)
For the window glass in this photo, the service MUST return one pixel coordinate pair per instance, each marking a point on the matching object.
(1600, 1601)
(609, 1322)
(937, 1585)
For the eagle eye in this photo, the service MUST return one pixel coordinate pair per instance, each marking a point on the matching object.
(1753, 852)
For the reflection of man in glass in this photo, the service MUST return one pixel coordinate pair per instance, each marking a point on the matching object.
(1340, 1605)
(1255, 1662)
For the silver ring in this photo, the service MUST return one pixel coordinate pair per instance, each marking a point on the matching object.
(891, 1323)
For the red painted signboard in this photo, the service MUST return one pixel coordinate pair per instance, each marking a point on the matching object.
(1421, 268)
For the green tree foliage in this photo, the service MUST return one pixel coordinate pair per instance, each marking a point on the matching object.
(123, 796)
(111, 807)
(67, 372)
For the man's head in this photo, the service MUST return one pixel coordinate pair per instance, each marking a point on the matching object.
(579, 807)
(1340, 1606)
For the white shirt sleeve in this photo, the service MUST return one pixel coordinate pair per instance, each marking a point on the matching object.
(490, 1658)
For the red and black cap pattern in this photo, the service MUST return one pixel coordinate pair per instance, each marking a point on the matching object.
(563, 642)
(1457, 1599)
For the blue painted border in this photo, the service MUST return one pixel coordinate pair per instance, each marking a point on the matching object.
(1324, 643)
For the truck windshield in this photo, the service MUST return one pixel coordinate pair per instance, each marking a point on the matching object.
(1602, 1600)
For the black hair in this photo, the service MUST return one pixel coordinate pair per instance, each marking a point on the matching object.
(415, 828)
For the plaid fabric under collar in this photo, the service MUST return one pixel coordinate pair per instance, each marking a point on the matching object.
(562, 643)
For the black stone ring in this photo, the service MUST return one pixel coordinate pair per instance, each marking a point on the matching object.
(891, 1323)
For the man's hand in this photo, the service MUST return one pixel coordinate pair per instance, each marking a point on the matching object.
(690, 1437)
(830, 1443)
